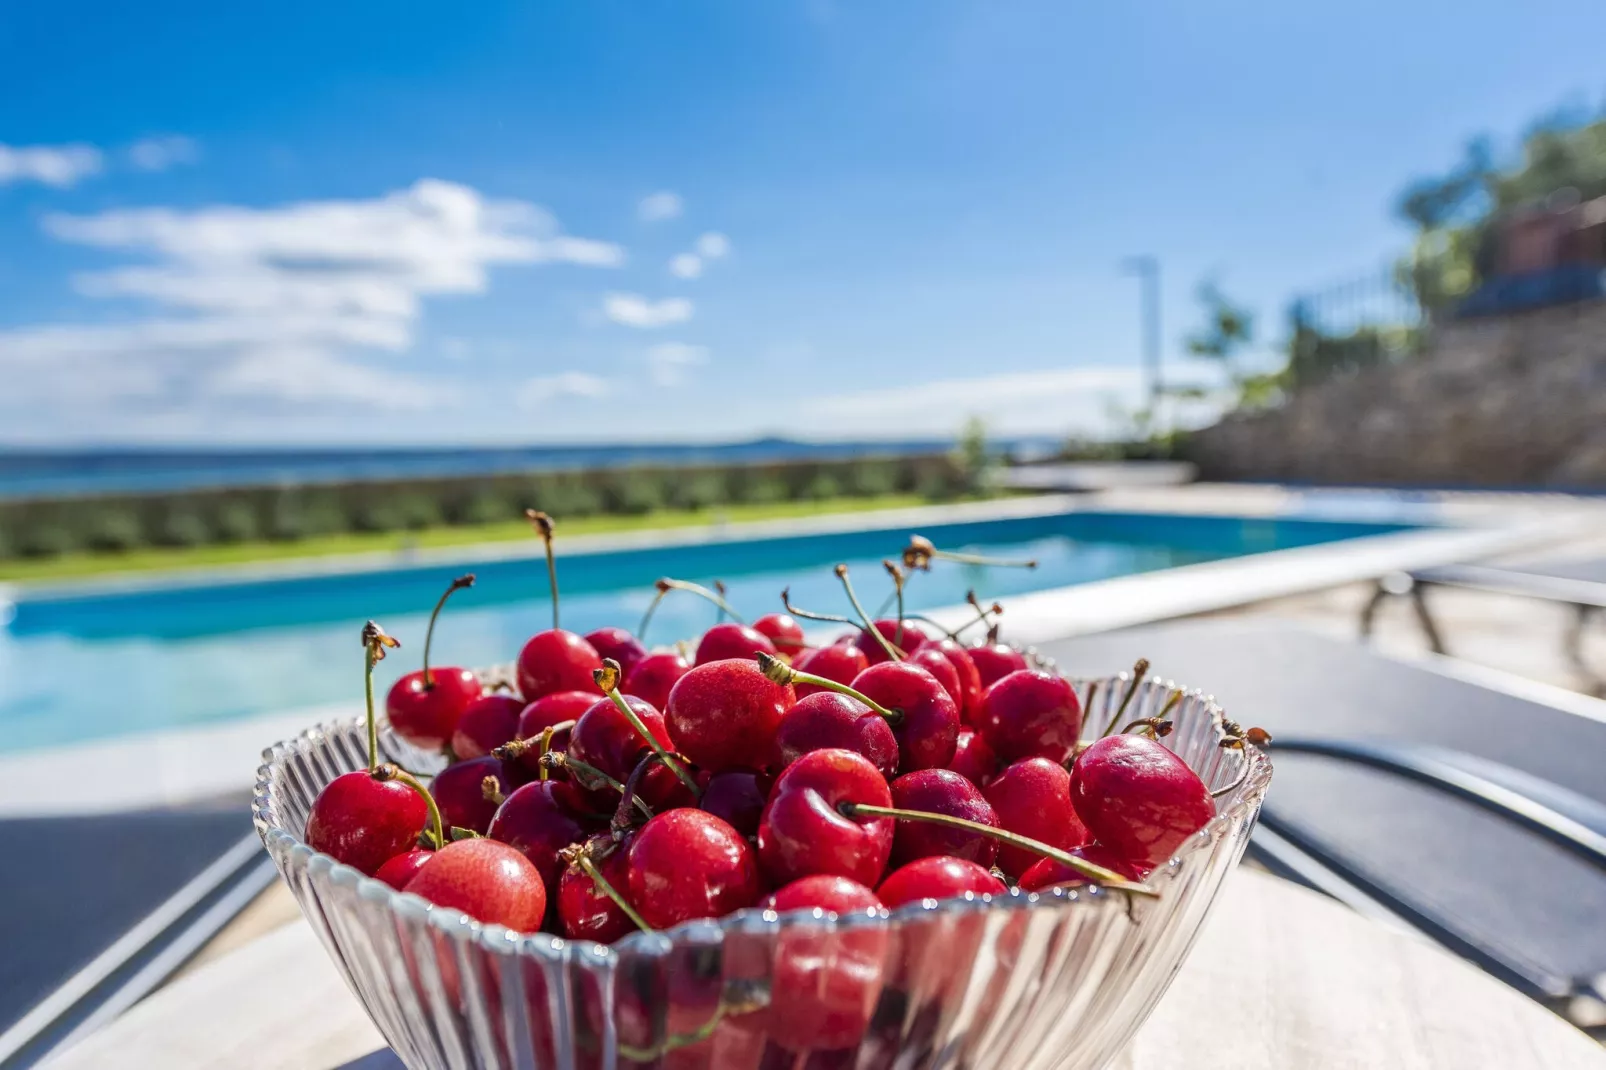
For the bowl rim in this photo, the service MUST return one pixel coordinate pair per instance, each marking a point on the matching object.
(284, 845)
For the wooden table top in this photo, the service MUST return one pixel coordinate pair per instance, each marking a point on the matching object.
(1281, 979)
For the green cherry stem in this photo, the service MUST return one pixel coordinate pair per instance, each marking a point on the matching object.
(607, 678)
(893, 652)
(920, 552)
(779, 672)
(665, 585)
(1140, 669)
(392, 771)
(374, 642)
(586, 775)
(543, 527)
(807, 614)
(897, 592)
(580, 857)
(429, 633)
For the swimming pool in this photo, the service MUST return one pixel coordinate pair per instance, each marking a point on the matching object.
(93, 664)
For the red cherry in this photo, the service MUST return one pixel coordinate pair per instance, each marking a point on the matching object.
(487, 723)
(974, 759)
(731, 640)
(932, 660)
(546, 711)
(803, 833)
(556, 660)
(994, 661)
(605, 739)
(487, 880)
(402, 868)
(687, 864)
(970, 689)
(825, 720)
(1031, 714)
(1137, 798)
(365, 822)
(1033, 797)
(736, 797)
(928, 729)
(459, 792)
(782, 630)
(941, 791)
(538, 820)
(912, 638)
(825, 985)
(1047, 873)
(832, 894)
(841, 662)
(937, 877)
(654, 676)
(426, 715)
(618, 644)
(724, 714)
(586, 911)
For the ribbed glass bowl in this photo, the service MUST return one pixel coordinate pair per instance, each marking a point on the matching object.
(1016, 982)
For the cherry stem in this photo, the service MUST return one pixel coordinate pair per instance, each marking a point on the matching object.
(893, 652)
(374, 642)
(1090, 870)
(920, 552)
(515, 749)
(621, 822)
(719, 588)
(429, 633)
(607, 678)
(583, 860)
(392, 771)
(829, 618)
(779, 672)
(897, 593)
(1140, 669)
(543, 527)
(587, 776)
(491, 790)
(666, 585)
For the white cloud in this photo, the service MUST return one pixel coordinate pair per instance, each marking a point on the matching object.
(53, 165)
(267, 310)
(160, 153)
(657, 207)
(668, 362)
(536, 392)
(686, 266)
(713, 245)
(633, 310)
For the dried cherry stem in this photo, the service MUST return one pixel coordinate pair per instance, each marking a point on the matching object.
(491, 790)
(893, 652)
(719, 589)
(1093, 872)
(586, 775)
(429, 633)
(628, 799)
(543, 527)
(392, 771)
(1140, 669)
(779, 672)
(1153, 727)
(897, 593)
(920, 552)
(829, 618)
(515, 749)
(665, 585)
(581, 857)
(607, 678)
(374, 642)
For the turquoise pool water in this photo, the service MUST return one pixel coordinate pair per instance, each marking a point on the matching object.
(95, 665)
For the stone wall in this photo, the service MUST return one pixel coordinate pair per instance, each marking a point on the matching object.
(1501, 402)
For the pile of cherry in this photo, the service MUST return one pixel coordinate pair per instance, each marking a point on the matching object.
(620, 788)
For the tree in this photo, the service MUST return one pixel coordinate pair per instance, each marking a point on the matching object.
(1228, 330)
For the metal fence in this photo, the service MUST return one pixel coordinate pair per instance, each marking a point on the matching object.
(1374, 319)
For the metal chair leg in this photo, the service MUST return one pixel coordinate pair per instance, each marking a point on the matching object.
(1429, 629)
(1380, 594)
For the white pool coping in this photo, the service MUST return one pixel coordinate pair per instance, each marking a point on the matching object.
(187, 765)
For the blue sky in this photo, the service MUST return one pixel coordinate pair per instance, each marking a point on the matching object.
(423, 223)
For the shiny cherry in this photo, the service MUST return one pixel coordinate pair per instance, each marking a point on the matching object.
(654, 676)
(937, 664)
(1033, 797)
(365, 822)
(1047, 873)
(825, 985)
(487, 880)
(560, 707)
(724, 714)
(970, 689)
(928, 723)
(875, 653)
(460, 793)
(803, 832)
(994, 661)
(974, 759)
(687, 864)
(618, 644)
(737, 797)
(841, 662)
(825, 720)
(488, 722)
(941, 791)
(556, 660)
(538, 820)
(585, 910)
(783, 631)
(1137, 798)
(731, 640)
(403, 867)
(937, 877)
(1031, 714)
(604, 739)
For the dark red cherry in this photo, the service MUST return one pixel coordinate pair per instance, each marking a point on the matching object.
(724, 714)
(585, 910)
(941, 791)
(928, 728)
(403, 868)
(825, 984)
(994, 661)
(426, 714)
(548, 710)
(459, 792)
(618, 644)
(1047, 873)
(487, 880)
(911, 640)
(736, 797)
(687, 864)
(556, 660)
(654, 676)
(365, 822)
(803, 833)
(827, 719)
(842, 662)
(1031, 714)
(974, 759)
(1033, 797)
(538, 820)
(487, 723)
(937, 664)
(782, 630)
(730, 640)
(937, 877)
(1137, 798)
(605, 739)
(970, 689)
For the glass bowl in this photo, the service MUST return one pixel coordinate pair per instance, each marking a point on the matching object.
(1060, 979)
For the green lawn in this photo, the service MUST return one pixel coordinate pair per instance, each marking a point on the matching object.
(93, 564)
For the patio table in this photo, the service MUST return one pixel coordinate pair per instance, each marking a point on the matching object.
(1281, 979)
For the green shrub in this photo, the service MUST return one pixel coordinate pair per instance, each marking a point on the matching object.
(822, 486)
(45, 539)
(869, 479)
(634, 492)
(237, 521)
(569, 496)
(698, 490)
(114, 530)
(487, 506)
(183, 527)
(417, 510)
